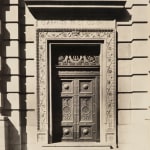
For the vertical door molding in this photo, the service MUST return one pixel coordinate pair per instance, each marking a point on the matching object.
(108, 75)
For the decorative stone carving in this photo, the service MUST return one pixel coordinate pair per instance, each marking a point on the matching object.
(108, 37)
(77, 60)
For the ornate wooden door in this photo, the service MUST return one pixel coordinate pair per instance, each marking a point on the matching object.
(76, 98)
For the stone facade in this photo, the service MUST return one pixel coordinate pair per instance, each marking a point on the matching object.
(21, 28)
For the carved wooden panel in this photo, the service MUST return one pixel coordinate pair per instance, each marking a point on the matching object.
(78, 109)
(85, 106)
(67, 109)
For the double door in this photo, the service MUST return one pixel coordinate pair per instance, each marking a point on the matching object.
(75, 92)
(75, 104)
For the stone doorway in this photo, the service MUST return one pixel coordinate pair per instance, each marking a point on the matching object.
(50, 64)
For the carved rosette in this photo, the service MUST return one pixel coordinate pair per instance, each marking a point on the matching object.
(108, 36)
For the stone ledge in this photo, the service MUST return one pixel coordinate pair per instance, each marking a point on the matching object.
(77, 145)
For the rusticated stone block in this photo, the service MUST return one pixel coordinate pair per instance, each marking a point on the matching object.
(124, 117)
(12, 29)
(13, 84)
(12, 14)
(140, 48)
(124, 33)
(30, 67)
(124, 84)
(13, 65)
(124, 50)
(124, 101)
(124, 67)
(136, 16)
(13, 49)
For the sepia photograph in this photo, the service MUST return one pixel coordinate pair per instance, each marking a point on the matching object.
(74, 75)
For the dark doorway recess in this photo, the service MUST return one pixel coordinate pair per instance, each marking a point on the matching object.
(75, 90)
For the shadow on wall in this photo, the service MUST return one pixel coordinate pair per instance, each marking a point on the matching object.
(17, 137)
(13, 137)
(22, 55)
(6, 72)
(82, 14)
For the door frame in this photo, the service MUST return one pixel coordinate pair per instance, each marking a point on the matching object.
(95, 121)
(107, 40)
(76, 73)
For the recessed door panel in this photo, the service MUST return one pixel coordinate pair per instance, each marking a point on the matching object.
(86, 86)
(67, 109)
(77, 97)
(85, 109)
(67, 86)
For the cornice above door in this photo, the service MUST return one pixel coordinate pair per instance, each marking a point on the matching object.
(47, 9)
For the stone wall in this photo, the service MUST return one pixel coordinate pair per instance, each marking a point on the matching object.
(10, 73)
(133, 77)
(18, 76)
